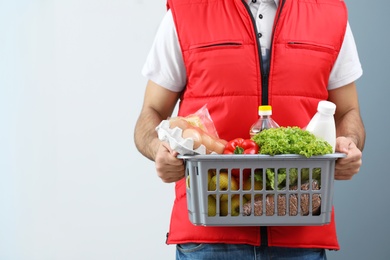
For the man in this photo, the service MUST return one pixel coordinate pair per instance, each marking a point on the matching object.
(234, 55)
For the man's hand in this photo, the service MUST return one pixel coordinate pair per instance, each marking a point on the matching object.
(347, 167)
(169, 167)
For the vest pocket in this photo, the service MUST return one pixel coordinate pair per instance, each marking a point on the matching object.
(216, 68)
(311, 46)
(216, 45)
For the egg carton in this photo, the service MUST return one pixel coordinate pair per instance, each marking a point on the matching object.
(184, 146)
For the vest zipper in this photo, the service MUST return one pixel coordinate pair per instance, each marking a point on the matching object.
(264, 76)
(263, 72)
(265, 89)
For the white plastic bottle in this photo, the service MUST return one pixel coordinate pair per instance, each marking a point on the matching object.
(322, 125)
(265, 121)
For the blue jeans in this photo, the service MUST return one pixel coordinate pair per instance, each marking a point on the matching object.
(194, 251)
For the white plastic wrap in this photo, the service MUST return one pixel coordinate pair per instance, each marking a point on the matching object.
(174, 137)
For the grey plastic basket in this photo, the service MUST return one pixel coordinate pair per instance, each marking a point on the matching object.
(303, 198)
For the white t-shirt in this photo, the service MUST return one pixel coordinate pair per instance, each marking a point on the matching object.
(164, 64)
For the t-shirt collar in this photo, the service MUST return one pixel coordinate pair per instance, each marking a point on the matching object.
(276, 1)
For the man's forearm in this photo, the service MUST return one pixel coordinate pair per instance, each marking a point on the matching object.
(145, 135)
(351, 125)
(159, 104)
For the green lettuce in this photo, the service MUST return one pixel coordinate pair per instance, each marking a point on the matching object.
(291, 140)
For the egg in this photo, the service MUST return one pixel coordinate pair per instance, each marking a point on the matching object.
(193, 134)
(178, 122)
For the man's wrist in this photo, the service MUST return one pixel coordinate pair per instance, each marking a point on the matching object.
(153, 146)
(353, 139)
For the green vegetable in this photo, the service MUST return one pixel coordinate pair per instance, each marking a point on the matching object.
(291, 140)
(316, 175)
(282, 177)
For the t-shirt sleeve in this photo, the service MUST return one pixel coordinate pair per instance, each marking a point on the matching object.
(164, 64)
(347, 67)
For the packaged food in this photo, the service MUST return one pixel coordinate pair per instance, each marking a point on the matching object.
(193, 134)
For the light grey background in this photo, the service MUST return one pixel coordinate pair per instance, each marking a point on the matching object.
(73, 186)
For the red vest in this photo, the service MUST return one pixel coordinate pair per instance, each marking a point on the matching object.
(224, 70)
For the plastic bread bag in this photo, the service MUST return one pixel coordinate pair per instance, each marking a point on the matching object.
(282, 203)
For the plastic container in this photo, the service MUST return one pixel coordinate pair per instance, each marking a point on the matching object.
(265, 121)
(322, 125)
(307, 202)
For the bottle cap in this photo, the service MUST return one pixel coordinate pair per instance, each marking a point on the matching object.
(265, 110)
(326, 107)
